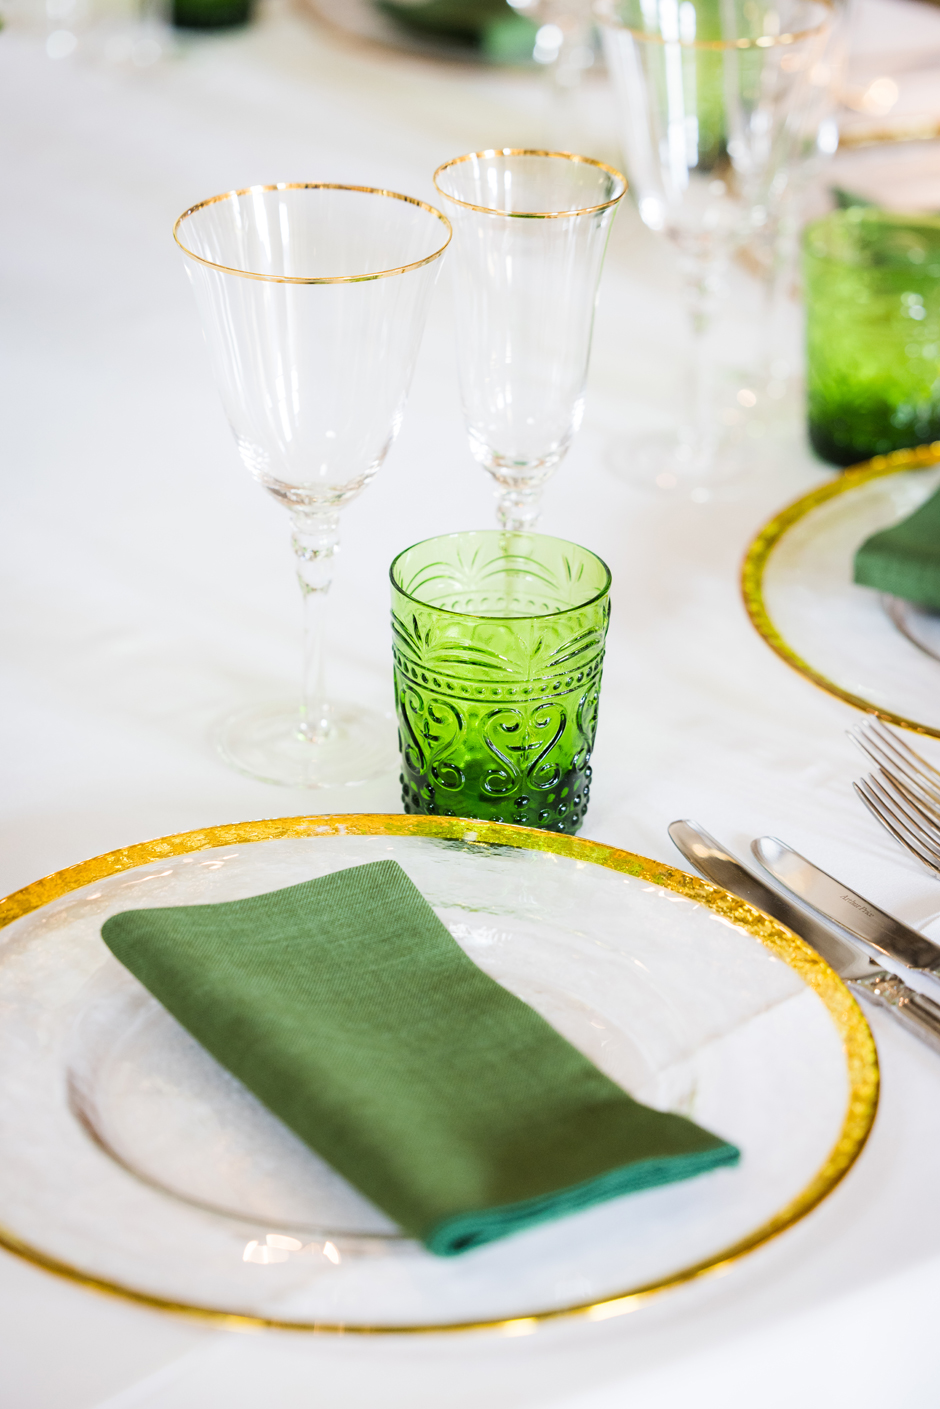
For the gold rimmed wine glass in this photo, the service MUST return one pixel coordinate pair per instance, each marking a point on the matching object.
(313, 299)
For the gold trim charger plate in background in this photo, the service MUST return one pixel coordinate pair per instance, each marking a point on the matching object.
(896, 173)
(799, 593)
(135, 1165)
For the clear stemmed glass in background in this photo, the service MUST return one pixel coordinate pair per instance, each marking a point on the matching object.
(530, 232)
(565, 47)
(313, 299)
(711, 98)
(773, 250)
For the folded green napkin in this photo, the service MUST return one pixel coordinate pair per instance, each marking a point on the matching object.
(905, 560)
(494, 26)
(346, 1006)
(464, 19)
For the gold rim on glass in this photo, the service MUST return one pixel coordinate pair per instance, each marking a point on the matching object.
(531, 152)
(476, 616)
(860, 1054)
(922, 457)
(605, 10)
(914, 129)
(313, 186)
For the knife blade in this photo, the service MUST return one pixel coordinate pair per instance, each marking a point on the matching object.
(917, 1013)
(836, 902)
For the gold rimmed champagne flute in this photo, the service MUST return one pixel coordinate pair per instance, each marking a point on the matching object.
(530, 232)
(313, 299)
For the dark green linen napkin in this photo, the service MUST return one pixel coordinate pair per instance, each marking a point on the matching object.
(461, 19)
(503, 34)
(905, 560)
(349, 1010)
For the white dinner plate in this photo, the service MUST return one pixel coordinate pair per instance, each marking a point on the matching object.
(799, 592)
(134, 1163)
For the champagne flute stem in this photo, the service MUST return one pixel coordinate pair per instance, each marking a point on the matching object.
(519, 507)
(315, 540)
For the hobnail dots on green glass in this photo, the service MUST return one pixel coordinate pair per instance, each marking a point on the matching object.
(498, 643)
(872, 280)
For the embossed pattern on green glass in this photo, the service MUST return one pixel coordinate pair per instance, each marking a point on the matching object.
(498, 642)
(872, 280)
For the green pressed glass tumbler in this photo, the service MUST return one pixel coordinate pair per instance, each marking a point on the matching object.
(872, 280)
(498, 643)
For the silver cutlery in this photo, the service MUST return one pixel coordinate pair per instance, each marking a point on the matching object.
(918, 1014)
(877, 930)
(903, 794)
(918, 624)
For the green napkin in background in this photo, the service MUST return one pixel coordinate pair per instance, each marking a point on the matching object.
(905, 560)
(210, 14)
(346, 1006)
(504, 35)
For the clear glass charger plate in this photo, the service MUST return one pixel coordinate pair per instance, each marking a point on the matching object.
(134, 1164)
(799, 593)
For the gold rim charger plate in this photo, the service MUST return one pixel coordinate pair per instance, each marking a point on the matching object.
(799, 593)
(135, 1165)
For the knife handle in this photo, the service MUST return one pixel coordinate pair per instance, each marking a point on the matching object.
(918, 1014)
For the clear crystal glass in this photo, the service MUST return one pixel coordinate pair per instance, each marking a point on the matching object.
(712, 99)
(530, 232)
(313, 300)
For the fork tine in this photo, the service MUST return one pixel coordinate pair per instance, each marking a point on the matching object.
(901, 749)
(891, 756)
(924, 803)
(906, 810)
(921, 805)
(880, 747)
(892, 737)
(870, 743)
(904, 793)
(886, 819)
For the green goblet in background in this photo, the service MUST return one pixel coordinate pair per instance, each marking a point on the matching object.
(498, 646)
(872, 280)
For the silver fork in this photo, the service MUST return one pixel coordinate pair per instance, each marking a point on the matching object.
(903, 793)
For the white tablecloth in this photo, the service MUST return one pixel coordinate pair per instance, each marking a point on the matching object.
(149, 586)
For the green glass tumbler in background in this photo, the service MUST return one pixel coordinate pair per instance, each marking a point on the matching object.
(872, 283)
(498, 646)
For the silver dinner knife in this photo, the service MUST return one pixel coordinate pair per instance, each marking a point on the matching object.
(862, 975)
(835, 902)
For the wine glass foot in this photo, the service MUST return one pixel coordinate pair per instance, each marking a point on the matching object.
(662, 464)
(266, 743)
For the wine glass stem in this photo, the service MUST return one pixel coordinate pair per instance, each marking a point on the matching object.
(701, 277)
(315, 539)
(781, 245)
